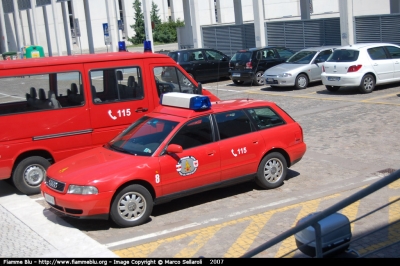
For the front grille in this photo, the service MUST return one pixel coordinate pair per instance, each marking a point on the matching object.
(54, 184)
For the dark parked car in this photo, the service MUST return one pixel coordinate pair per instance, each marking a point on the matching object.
(250, 64)
(202, 63)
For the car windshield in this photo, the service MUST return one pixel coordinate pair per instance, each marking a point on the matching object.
(343, 55)
(143, 137)
(242, 56)
(302, 57)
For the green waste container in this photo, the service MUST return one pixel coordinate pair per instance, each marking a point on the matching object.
(10, 56)
(33, 51)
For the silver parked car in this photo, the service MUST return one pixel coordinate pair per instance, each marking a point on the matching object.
(303, 67)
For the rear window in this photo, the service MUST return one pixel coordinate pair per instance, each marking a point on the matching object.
(242, 56)
(174, 56)
(344, 55)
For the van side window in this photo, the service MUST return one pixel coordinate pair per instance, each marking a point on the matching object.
(171, 79)
(29, 93)
(116, 84)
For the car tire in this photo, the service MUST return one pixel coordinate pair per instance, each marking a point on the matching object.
(272, 171)
(238, 82)
(259, 79)
(332, 88)
(301, 82)
(367, 84)
(131, 206)
(29, 174)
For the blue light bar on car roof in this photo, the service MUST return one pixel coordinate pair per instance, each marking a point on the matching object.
(184, 100)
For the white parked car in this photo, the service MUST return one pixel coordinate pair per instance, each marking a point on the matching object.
(362, 65)
(303, 67)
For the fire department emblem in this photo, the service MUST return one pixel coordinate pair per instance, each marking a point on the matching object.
(187, 166)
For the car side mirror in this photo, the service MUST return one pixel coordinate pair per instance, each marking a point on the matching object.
(174, 148)
(199, 88)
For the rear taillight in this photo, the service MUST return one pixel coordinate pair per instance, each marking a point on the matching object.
(323, 69)
(249, 65)
(354, 68)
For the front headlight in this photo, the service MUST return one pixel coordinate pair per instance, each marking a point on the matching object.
(82, 190)
(284, 75)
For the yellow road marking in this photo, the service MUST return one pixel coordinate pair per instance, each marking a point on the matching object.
(393, 231)
(289, 243)
(351, 212)
(144, 250)
(367, 101)
(380, 97)
(248, 236)
(198, 242)
(395, 184)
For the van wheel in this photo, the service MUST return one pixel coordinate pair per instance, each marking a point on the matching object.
(272, 171)
(301, 82)
(259, 80)
(367, 84)
(131, 206)
(29, 174)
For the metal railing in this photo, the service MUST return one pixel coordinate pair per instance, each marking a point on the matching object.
(314, 221)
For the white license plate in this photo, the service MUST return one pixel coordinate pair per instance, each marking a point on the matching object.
(236, 75)
(49, 199)
(333, 78)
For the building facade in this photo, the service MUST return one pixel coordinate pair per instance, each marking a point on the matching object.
(64, 27)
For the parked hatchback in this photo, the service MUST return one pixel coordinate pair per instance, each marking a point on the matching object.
(249, 65)
(202, 64)
(300, 69)
(363, 65)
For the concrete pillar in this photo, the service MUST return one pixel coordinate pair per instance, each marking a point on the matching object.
(31, 27)
(17, 24)
(67, 28)
(196, 32)
(147, 22)
(237, 6)
(259, 29)
(112, 27)
(88, 26)
(305, 9)
(171, 6)
(3, 40)
(46, 27)
(56, 26)
(212, 11)
(346, 22)
(394, 6)
(34, 23)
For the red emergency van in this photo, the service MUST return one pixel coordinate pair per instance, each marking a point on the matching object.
(54, 107)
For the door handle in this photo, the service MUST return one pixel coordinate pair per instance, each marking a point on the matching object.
(375, 64)
(255, 141)
(141, 110)
(210, 153)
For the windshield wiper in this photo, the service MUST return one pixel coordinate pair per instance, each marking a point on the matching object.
(116, 148)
